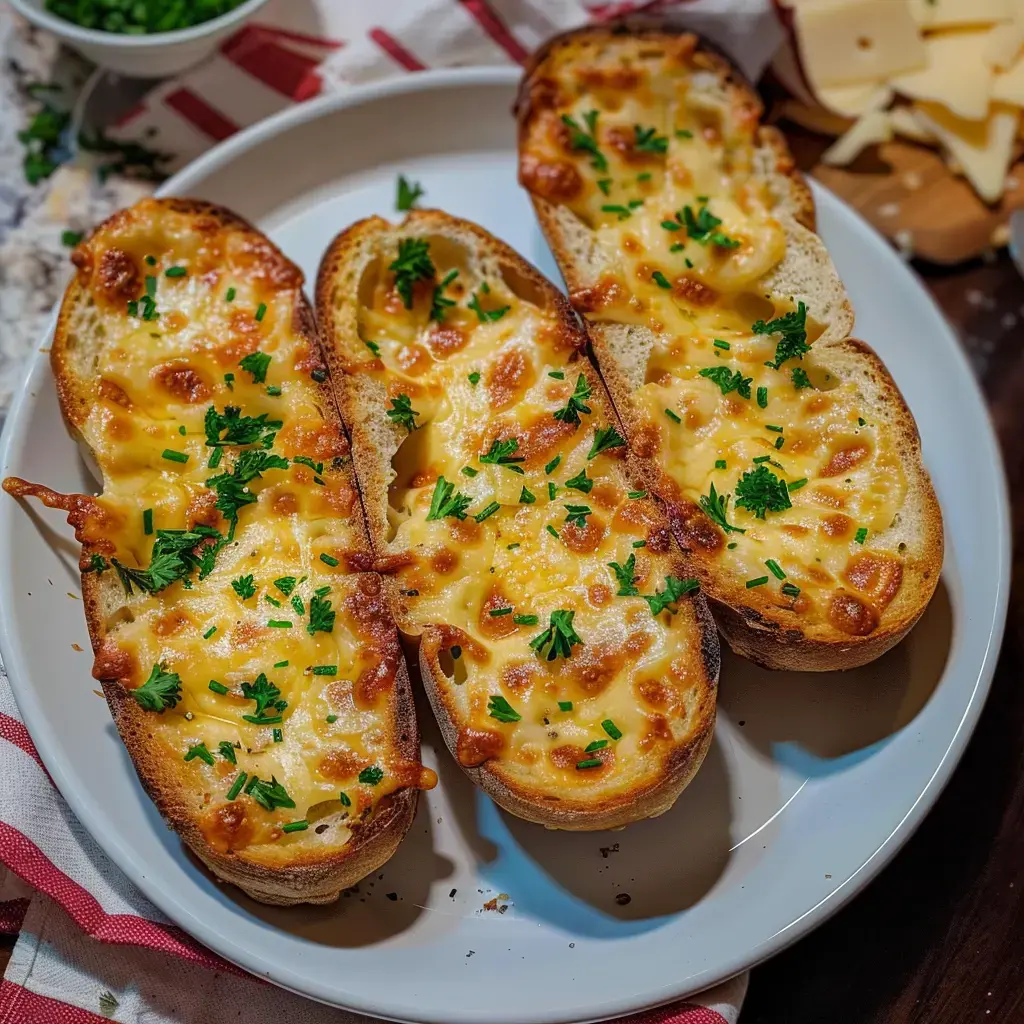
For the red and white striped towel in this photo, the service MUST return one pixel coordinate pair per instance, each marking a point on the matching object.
(91, 947)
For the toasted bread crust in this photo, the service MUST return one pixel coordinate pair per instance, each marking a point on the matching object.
(767, 635)
(300, 874)
(340, 269)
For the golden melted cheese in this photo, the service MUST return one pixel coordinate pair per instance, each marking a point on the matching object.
(666, 149)
(156, 382)
(483, 587)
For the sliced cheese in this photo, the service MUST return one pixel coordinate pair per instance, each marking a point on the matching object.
(931, 14)
(982, 149)
(1008, 87)
(956, 74)
(906, 123)
(843, 42)
(872, 128)
(1004, 43)
(855, 100)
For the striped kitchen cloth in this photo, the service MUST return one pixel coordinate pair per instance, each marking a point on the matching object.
(91, 948)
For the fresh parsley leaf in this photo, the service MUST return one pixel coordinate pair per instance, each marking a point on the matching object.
(793, 330)
(647, 140)
(761, 491)
(576, 404)
(227, 751)
(412, 264)
(580, 482)
(502, 453)
(701, 227)
(232, 494)
(371, 776)
(559, 638)
(244, 587)
(626, 575)
(800, 378)
(408, 195)
(716, 507)
(861, 535)
(286, 584)
(97, 564)
(446, 501)
(675, 589)
(605, 438)
(486, 315)
(728, 380)
(438, 303)
(264, 693)
(499, 708)
(269, 795)
(71, 238)
(585, 139)
(231, 428)
(526, 497)
(402, 413)
(160, 691)
(576, 515)
(256, 363)
(321, 617)
(198, 750)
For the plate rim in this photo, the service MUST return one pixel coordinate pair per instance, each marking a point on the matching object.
(17, 664)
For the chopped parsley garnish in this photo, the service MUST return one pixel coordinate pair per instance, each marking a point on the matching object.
(793, 330)
(175, 272)
(775, 569)
(147, 522)
(412, 264)
(671, 225)
(71, 238)
(199, 750)
(256, 363)
(98, 564)
(585, 139)
(861, 535)
(728, 380)
(227, 751)
(559, 638)
(661, 280)
(300, 608)
(673, 416)
(272, 600)
(172, 456)
(274, 390)
(626, 575)
(553, 464)
(590, 762)
(408, 195)
(269, 795)
(286, 584)
(261, 312)
(371, 776)
(761, 491)
(402, 413)
(486, 315)
(502, 453)
(232, 494)
(800, 378)
(244, 587)
(795, 485)
(160, 691)
(612, 729)
(321, 617)
(473, 378)
(622, 212)
(267, 697)
(684, 133)
(635, 495)
(499, 708)
(605, 438)
(701, 227)
(762, 397)
(721, 464)
(487, 512)
(595, 745)
(565, 705)
(447, 501)
(605, 185)
(230, 294)
(345, 800)
(647, 140)
(525, 620)
(716, 507)
(580, 482)
(373, 347)
(438, 303)
(554, 533)
(236, 786)
(176, 555)
(576, 515)
(576, 404)
(675, 589)
(526, 497)
(231, 428)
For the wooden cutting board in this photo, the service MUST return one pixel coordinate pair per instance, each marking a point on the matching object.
(909, 194)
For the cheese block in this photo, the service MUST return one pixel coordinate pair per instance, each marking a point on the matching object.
(244, 644)
(871, 129)
(846, 42)
(936, 14)
(567, 653)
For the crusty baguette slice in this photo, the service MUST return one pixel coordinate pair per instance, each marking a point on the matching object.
(685, 236)
(566, 690)
(309, 802)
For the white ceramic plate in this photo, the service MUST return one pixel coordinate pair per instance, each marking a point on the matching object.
(812, 783)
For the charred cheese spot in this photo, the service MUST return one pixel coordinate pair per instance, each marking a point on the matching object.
(508, 378)
(554, 180)
(182, 382)
(119, 278)
(228, 827)
(475, 746)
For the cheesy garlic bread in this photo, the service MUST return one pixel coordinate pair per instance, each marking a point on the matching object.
(568, 656)
(245, 649)
(790, 461)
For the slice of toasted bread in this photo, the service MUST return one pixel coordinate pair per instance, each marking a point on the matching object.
(286, 756)
(788, 456)
(577, 694)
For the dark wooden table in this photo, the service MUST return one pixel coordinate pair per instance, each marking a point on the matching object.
(938, 938)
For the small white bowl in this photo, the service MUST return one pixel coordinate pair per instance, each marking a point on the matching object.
(155, 55)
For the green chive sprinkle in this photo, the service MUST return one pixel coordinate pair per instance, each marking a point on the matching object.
(261, 311)
(718, 343)
(209, 632)
(172, 456)
(325, 670)
(487, 512)
(861, 535)
(230, 295)
(557, 374)
(525, 620)
(280, 664)
(661, 280)
(553, 464)
(552, 490)
(779, 442)
(639, 543)
(150, 261)
(762, 458)
(672, 416)
(790, 590)
(596, 745)
(147, 521)
(274, 391)
(592, 762)
(295, 826)
(175, 272)
(773, 428)
(565, 705)
(468, 471)
(215, 458)
(279, 624)
(612, 729)
(495, 612)
(732, 545)
(775, 569)
(331, 719)
(345, 800)
(762, 397)
(720, 464)
(796, 484)
(636, 495)
(328, 559)
(474, 378)
(278, 736)
(237, 785)
(218, 687)
(759, 582)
